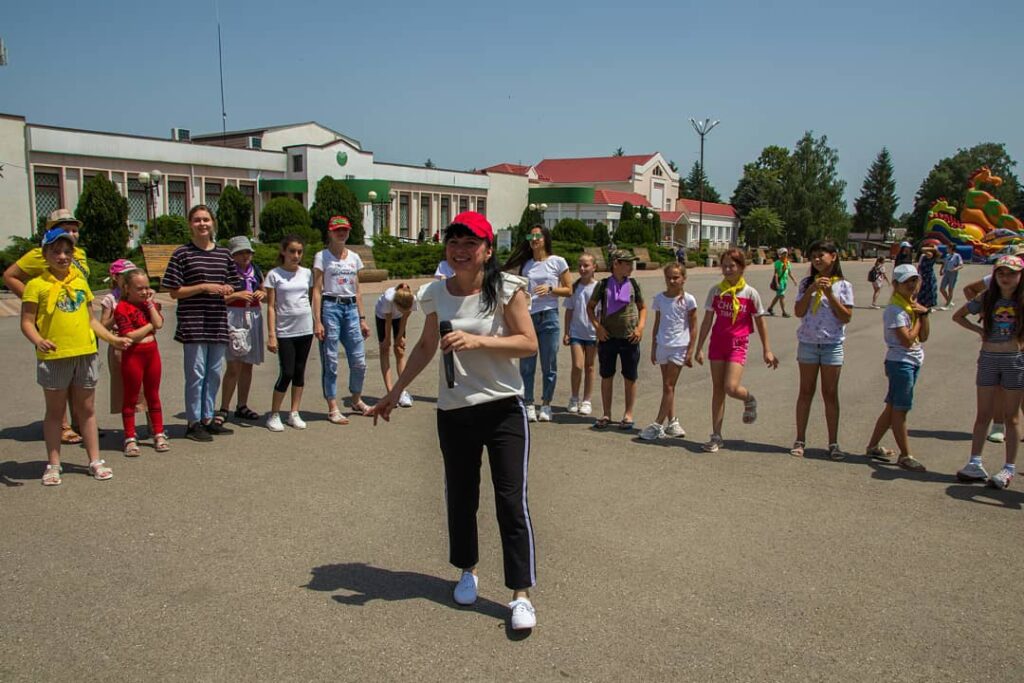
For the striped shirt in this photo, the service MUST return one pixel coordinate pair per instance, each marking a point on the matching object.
(202, 318)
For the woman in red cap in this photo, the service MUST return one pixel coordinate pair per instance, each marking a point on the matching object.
(488, 314)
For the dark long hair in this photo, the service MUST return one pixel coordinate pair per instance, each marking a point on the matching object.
(288, 240)
(524, 252)
(829, 247)
(491, 287)
(988, 306)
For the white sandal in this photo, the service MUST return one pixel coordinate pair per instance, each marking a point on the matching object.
(100, 471)
(337, 418)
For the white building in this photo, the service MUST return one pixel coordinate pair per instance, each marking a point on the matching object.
(45, 167)
(682, 226)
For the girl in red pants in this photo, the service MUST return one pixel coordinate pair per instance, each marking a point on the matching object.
(138, 317)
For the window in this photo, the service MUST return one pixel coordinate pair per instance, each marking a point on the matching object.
(657, 170)
(403, 214)
(177, 198)
(47, 192)
(425, 226)
(212, 196)
(446, 211)
(137, 202)
(463, 204)
(296, 163)
(481, 206)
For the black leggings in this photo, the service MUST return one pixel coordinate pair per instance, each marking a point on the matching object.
(292, 353)
(501, 427)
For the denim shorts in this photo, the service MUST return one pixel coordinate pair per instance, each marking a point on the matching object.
(582, 342)
(902, 378)
(819, 354)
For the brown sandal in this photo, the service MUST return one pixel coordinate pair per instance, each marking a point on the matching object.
(69, 437)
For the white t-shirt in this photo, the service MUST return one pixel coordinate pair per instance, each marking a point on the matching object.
(544, 272)
(340, 275)
(893, 318)
(579, 323)
(823, 327)
(386, 305)
(481, 376)
(444, 271)
(674, 327)
(294, 316)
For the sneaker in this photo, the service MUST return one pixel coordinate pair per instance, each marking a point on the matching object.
(545, 414)
(531, 413)
(673, 428)
(652, 432)
(274, 422)
(465, 589)
(197, 432)
(218, 430)
(971, 472)
(574, 405)
(996, 435)
(405, 400)
(295, 421)
(586, 408)
(713, 444)
(1001, 479)
(524, 616)
(875, 306)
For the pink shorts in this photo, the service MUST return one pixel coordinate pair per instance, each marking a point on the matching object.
(728, 349)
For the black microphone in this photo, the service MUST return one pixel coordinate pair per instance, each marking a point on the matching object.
(449, 357)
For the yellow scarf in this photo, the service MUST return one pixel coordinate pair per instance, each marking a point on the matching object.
(816, 304)
(898, 300)
(733, 290)
(57, 286)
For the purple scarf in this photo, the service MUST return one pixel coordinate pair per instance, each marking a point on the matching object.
(248, 278)
(618, 295)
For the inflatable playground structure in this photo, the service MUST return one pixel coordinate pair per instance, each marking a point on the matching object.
(984, 227)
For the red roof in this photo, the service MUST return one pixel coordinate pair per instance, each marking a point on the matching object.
(710, 208)
(590, 169)
(614, 197)
(513, 169)
(672, 217)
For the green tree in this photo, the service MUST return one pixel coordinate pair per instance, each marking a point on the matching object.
(762, 180)
(429, 163)
(950, 175)
(627, 213)
(690, 187)
(875, 208)
(571, 230)
(812, 205)
(601, 237)
(527, 220)
(285, 216)
(673, 166)
(632, 232)
(619, 152)
(333, 198)
(167, 230)
(104, 215)
(234, 214)
(763, 226)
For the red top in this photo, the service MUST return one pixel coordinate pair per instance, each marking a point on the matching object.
(129, 317)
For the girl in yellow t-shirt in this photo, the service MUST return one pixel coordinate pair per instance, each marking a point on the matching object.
(56, 318)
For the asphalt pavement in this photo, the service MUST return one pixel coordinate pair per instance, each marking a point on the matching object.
(322, 554)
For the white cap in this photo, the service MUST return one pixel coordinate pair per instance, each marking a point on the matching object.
(905, 244)
(783, 250)
(904, 272)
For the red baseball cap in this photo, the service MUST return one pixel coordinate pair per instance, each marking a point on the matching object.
(476, 223)
(338, 223)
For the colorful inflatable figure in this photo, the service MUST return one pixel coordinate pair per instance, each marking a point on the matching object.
(985, 224)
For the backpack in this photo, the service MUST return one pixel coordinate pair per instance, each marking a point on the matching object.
(602, 288)
(873, 274)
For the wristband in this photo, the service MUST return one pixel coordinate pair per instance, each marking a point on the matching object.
(362, 317)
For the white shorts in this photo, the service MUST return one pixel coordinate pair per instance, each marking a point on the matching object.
(671, 354)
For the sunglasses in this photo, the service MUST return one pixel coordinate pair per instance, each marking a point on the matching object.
(534, 236)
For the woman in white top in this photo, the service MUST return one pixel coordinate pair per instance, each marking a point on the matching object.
(549, 279)
(488, 313)
(289, 328)
(338, 317)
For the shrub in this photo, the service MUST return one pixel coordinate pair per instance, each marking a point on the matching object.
(234, 213)
(601, 237)
(572, 230)
(265, 255)
(333, 198)
(167, 230)
(285, 216)
(402, 259)
(104, 215)
(631, 232)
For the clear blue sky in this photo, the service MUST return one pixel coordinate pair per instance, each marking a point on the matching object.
(470, 84)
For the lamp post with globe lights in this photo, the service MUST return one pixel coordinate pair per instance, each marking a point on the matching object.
(150, 181)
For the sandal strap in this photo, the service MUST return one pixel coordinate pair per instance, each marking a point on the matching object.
(97, 463)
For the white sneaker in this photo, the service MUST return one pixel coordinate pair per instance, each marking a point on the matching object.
(405, 400)
(971, 472)
(996, 435)
(545, 414)
(586, 408)
(713, 444)
(652, 432)
(574, 405)
(531, 413)
(1001, 479)
(673, 428)
(274, 422)
(524, 616)
(465, 589)
(295, 421)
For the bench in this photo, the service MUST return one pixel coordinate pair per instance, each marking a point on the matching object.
(644, 261)
(156, 257)
(370, 271)
(598, 254)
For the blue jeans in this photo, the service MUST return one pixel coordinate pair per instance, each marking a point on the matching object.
(204, 368)
(341, 323)
(545, 323)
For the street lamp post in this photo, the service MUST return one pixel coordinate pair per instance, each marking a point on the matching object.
(703, 128)
(150, 181)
